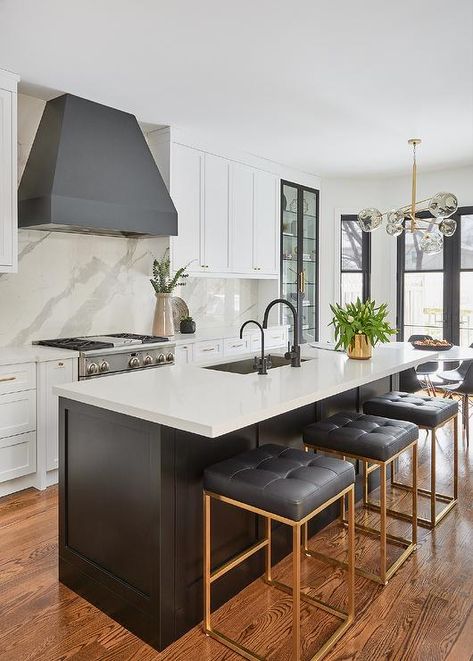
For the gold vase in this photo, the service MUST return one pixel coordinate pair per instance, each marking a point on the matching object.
(360, 347)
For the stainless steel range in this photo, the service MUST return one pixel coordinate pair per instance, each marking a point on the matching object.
(102, 355)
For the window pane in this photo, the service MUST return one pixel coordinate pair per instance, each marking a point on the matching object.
(416, 259)
(466, 308)
(351, 246)
(423, 304)
(466, 228)
(352, 287)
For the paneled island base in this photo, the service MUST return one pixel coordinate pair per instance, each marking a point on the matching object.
(130, 513)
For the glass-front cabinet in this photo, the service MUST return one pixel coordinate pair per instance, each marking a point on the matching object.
(299, 257)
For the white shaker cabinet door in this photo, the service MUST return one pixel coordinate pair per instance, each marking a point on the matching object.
(57, 373)
(8, 177)
(241, 219)
(216, 214)
(187, 195)
(266, 223)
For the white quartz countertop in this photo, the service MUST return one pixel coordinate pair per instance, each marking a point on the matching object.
(33, 353)
(212, 403)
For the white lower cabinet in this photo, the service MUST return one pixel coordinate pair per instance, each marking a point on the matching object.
(216, 350)
(234, 345)
(51, 373)
(17, 456)
(57, 373)
(208, 350)
(17, 413)
(184, 354)
(17, 426)
(29, 423)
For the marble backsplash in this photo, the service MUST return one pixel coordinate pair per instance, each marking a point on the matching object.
(73, 284)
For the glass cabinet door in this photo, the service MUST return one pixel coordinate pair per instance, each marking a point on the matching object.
(309, 279)
(299, 262)
(289, 250)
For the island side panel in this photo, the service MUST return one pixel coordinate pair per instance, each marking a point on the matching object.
(115, 506)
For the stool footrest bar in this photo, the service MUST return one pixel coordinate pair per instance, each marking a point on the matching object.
(310, 600)
(237, 560)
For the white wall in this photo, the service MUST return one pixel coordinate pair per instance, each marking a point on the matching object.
(341, 196)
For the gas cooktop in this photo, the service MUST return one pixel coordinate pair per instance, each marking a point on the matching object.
(108, 341)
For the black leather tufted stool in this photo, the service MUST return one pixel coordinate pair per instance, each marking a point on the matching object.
(289, 486)
(428, 413)
(377, 442)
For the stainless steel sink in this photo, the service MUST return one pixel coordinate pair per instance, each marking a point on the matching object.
(247, 366)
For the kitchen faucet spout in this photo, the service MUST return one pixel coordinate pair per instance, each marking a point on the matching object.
(294, 352)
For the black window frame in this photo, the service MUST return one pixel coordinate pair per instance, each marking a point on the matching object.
(365, 257)
(451, 278)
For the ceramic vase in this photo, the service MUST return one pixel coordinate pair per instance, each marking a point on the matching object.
(163, 323)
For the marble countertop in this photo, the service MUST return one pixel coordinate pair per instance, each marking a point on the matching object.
(212, 403)
(33, 353)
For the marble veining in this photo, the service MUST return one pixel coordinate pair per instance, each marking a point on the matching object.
(74, 284)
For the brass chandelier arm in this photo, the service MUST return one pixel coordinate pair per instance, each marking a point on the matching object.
(406, 218)
(407, 207)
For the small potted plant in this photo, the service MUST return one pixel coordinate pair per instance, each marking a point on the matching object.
(360, 326)
(163, 285)
(187, 325)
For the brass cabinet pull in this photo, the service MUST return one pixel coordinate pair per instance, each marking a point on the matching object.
(7, 378)
(302, 282)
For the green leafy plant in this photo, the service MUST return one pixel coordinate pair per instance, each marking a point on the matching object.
(360, 318)
(187, 318)
(162, 281)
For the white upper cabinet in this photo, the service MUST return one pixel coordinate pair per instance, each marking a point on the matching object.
(8, 173)
(228, 211)
(266, 223)
(216, 214)
(187, 195)
(241, 218)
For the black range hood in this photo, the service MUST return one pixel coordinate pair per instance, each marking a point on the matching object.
(90, 170)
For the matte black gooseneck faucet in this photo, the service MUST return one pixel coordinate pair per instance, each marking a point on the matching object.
(293, 353)
(262, 363)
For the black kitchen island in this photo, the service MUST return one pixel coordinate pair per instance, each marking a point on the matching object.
(130, 537)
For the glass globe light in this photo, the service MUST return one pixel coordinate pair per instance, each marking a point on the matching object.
(395, 216)
(443, 204)
(370, 219)
(394, 229)
(448, 226)
(431, 243)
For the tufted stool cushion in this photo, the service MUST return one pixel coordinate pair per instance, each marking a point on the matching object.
(422, 410)
(280, 480)
(369, 436)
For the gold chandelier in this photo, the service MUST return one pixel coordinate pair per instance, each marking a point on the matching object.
(441, 206)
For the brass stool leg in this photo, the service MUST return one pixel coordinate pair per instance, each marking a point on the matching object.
(455, 457)
(414, 493)
(433, 477)
(351, 555)
(268, 565)
(207, 567)
(382, 487)
(296, 591)
(365, 483)
(342, 503)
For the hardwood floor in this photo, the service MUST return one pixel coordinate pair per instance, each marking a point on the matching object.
(424, 614)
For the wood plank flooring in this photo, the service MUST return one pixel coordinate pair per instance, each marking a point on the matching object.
(424, 614)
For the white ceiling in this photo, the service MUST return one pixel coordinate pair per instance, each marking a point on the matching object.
(333, 87)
